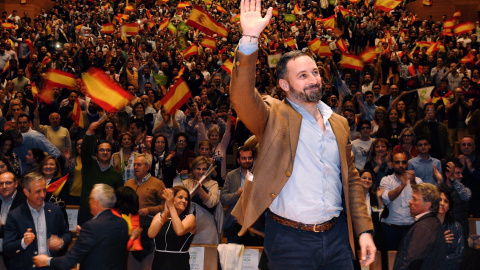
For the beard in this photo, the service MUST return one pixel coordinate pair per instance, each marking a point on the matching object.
(314, 94)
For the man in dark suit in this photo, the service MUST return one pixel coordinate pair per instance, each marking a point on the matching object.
(386, 100)
(305, 163)
(10, 198)
(423, 246)
(230, 194)
(102, 242)
(34, 226)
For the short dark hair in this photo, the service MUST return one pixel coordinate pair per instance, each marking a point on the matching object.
(139, 123)
(368, 93)
(282, 63)
(127, 200)
(363, 122)
(245, 148)
(180, 134)
(423, 138)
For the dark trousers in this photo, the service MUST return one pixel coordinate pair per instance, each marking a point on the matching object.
(393, 235)
(290, 248)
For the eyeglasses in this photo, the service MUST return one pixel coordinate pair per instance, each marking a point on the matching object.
(400, 161)
(6, 184)
(104, 150)
(182, 141)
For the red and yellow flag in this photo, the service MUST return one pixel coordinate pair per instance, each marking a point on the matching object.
(99, 86)
(209, 42)
(221, 9)
(291, 42)
(201, 20)
(457, 14)
(46, 60)
(310, 15)
(61, 78)
(6, 67)
(47, 95)
(131, 29)
(34, 89)
(368, 55)
(344, 11)
(57, 186)
(176, 97)
(164, 23)
(341, 45)
(192, 50)
(182, 5)
(133, 222)
(275, 12)
(434, 48)
(465, 27)
(108, 28)
(469, 58)
(8, 25)
(386, 5)
(449, 24)
(150, 24)
(314, 45)
(77, 115)
(79, 27)
(351, 61)
(328, 22)
(353, 1)
(235, 18)
(296, 9)
(324, 49)
(227, 66)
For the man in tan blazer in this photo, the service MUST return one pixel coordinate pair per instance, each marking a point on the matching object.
(304, 175)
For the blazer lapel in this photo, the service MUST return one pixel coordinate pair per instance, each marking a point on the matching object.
(48, 219)
(294, 126)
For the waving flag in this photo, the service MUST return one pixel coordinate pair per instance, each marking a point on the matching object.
(314, 45)
(176, 97)
(341, 45)
(164, 23)
(6, 67)
(131, 29)
(235, 18)
(324, 49)
(8, 25)
(182, 5)
(457, 14)
(227, 66)
(61, 78)
(328, 23)
(387, 5)
(296, 9)
(57, 186)
(209, 42)
(344, 11)
(221, 9)
(77, 115)
(291, 42)
(462, 28)
(289, 17)
(469, 58)
(275, 12)
(192, 50)
(108, 28)
(351, 61)
(368, 55)
(201, 20)
(79, 27)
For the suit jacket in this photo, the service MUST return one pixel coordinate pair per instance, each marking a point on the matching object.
(384, 101)
(229, 195)
(18, 221)
(423, 246)
(101, 245)
(277, 126)
(17, 201)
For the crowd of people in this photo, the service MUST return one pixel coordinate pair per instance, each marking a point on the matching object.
(397, 140)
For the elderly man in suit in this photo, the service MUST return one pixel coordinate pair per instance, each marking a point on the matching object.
(102, 242)
(231, 192)
(10, 198)
(34, 227)
(304, 174)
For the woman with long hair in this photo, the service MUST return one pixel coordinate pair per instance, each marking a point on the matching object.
(123, 160)
(379, 116)
(160, 156)
(138, 112)
(6, 151)
(391, 127)
(33, 158)
(379, 160)
(51, 170)
(173, 231)
(407, 144)
(109, 132)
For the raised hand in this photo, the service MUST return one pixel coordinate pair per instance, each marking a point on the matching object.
(251, 17)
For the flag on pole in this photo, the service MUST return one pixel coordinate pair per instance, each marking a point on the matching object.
(469, 58)
(8, 25)
(314, 45)
(296, 9)
(328, 22)
(386, 5)
(61, 78)
(424, 95)
(341, 45)
(47, 95)
(108, 28)
(434, 48)
(128, 8)
(291, 42)
(368, 55)
(57, 186)
(171, 28)
(131, 29)
(182, 5)
(457, 14)
(465, 27)
(275, 12)
(176, 97)
(235, 18)
(160, 79)
(99, 86)
(164, 23)
(201, 20)
(273, 60)
(192, 50)
(227, 66)
(79, 27)
(344, 11)
(351, 61)
(209, 42)
(77, 115)
(221, 9)
(324, 49)
(310, 15)
(6, 67)
(427, 2)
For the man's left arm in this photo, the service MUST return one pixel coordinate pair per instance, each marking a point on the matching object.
(63, 232)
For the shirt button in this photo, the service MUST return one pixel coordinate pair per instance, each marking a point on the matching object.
(35, 253)
(273, 195)
(238, 63)
(288, 173)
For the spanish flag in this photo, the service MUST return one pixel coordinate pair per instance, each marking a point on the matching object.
(296, 9)
(208, 2)
(149, 15)
(427, 2)
(221, 9)
(449, 24)
(6, 67)
(434, 48)
(150, 24)
(182, 5)
(344, 11)
(457, 14)
(341, 45)
(79, 27)
(328, 22)
(465, 27)
(57, 186)
(353, 1)
(77, 115)
(201, 20)
(8, 25)
(310, 15)
(192, 50)
(209, 42)
(46, 60)
(47, 95)
(131, 29)
(291, 43)
(227, 66)
(176, 97)
(108, 28)
(368, 55)
(314, 45)
(99, 87)
(324, 49)
(34, 89)
(164, 23)
(235, 18)
(275, 12)
(128, 8)
(351, 61)
(387, 5)
(469, 58)
(61, 78)
(133, 222)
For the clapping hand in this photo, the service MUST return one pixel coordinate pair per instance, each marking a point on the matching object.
(168, 196)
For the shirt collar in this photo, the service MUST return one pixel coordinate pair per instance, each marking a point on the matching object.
(323, 108)
(143, 179)
(105, 168)
(33, 210)
(417, 217)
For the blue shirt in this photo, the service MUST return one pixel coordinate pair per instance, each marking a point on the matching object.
(399, 210)
(424, 168)
(40, 229)
(34, 139)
